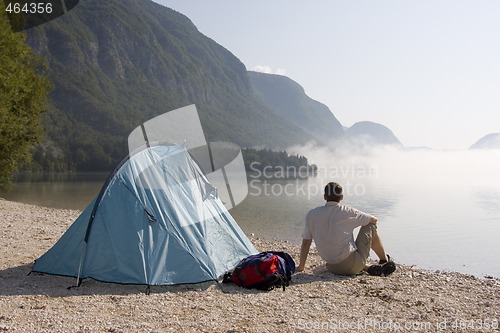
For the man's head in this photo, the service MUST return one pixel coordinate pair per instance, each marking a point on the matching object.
(333, 192)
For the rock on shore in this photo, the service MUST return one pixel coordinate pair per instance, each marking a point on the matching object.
(410, 300)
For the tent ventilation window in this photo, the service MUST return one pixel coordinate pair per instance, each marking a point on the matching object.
(151, 217)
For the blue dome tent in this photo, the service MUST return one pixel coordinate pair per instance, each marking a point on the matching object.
(156, 221)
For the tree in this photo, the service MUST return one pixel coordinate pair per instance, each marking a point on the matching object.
(23, 99)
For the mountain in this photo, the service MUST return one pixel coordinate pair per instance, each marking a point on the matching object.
(289, 99)
(372, 133)
(490, 141)
(115, 64)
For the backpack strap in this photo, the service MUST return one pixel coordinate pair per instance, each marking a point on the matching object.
(227, 277)
(272, 281)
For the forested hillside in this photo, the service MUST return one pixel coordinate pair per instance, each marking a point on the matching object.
(117, 63)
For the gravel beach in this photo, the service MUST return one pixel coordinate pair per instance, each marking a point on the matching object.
(410, 300)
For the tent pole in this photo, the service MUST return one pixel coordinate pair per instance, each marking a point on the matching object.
(78, 280)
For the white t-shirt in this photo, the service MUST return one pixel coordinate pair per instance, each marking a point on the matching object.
(331, 227)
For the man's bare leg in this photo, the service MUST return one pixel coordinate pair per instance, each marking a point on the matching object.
(378, 248)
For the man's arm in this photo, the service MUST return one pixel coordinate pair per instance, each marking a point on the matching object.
(373, 220)
(304, 251)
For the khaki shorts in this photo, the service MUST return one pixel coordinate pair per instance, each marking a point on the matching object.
(356, 260)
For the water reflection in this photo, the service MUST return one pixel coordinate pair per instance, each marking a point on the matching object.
(56, 190)
(488, 200)
(57, 177)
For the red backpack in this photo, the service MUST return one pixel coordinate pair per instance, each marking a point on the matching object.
(263, 271)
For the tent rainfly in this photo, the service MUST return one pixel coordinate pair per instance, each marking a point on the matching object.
(156, 221)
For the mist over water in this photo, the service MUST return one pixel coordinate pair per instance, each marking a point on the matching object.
(437, 209)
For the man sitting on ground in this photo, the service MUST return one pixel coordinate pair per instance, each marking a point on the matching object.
(331, 227)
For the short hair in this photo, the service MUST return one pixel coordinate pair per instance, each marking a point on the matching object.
(333, 192)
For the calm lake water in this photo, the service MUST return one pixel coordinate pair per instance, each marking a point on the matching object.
(438, 211)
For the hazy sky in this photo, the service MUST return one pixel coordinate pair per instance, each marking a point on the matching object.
(427, 69)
